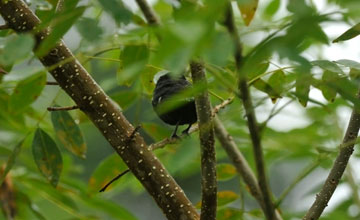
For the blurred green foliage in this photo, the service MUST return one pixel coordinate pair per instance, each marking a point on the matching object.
(123, 54)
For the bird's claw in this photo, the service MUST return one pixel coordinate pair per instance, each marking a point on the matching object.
(174, 136)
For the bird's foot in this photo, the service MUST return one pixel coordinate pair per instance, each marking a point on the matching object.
(185, 132)
(174, 136)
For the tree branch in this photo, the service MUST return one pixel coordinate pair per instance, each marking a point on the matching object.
(207, 145)
(105, 114)
(59, 6)
(240, 163)
(251, 117)
(52, 109)
(194, 128)
(346, 149)
(52, 83)
(148, 12)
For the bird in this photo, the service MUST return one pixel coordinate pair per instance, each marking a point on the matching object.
(183, 111)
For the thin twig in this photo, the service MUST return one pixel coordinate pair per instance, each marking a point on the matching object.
(166, 141)
(52, 109)
(306, 171)
(207, 146)
(353, 185)
(52, 83)
(275, 112)
(59, 6)
(333, 179)
(240, 163)
(113, 180)
(194, 128)
(251, 117)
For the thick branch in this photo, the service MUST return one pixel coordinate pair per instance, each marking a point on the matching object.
(207, 148)
(346, 149)
(251, 117)
(105, 114)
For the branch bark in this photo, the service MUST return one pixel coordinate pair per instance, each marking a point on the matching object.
(207, 146)
(251, 117)
(341, 161)
(148, 12)
(105, 114)
(240, 163)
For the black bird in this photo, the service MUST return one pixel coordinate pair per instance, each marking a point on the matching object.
(184, 113)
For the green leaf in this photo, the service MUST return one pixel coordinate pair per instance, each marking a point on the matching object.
(147, 79)
(354, 73)
(134, 60)
(47, 156)
(5, 152)
(328, 65)
(109, 207)
(272, 8)
(225, 171)
(277, 81)
(26, 92)
(226, 197)
(247, 9)
(349, 34)
(328, 92)
(265, 87)
(185, 155)
(108, 169)
(17, 47)
(303, 88)
(125, 98)
(117, 9)
(68, 133)
(229, 214)
(60, 24)
(156, 131)
(23, 198)
(220, 49)
(349, 63)
(258, 70)
(11, 161)
(89, 29)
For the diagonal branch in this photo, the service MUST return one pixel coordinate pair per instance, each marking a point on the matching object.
(346, 149)
(148, 12)
(105, 114)
(207, 146)
(240, 163)
(251, 117)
